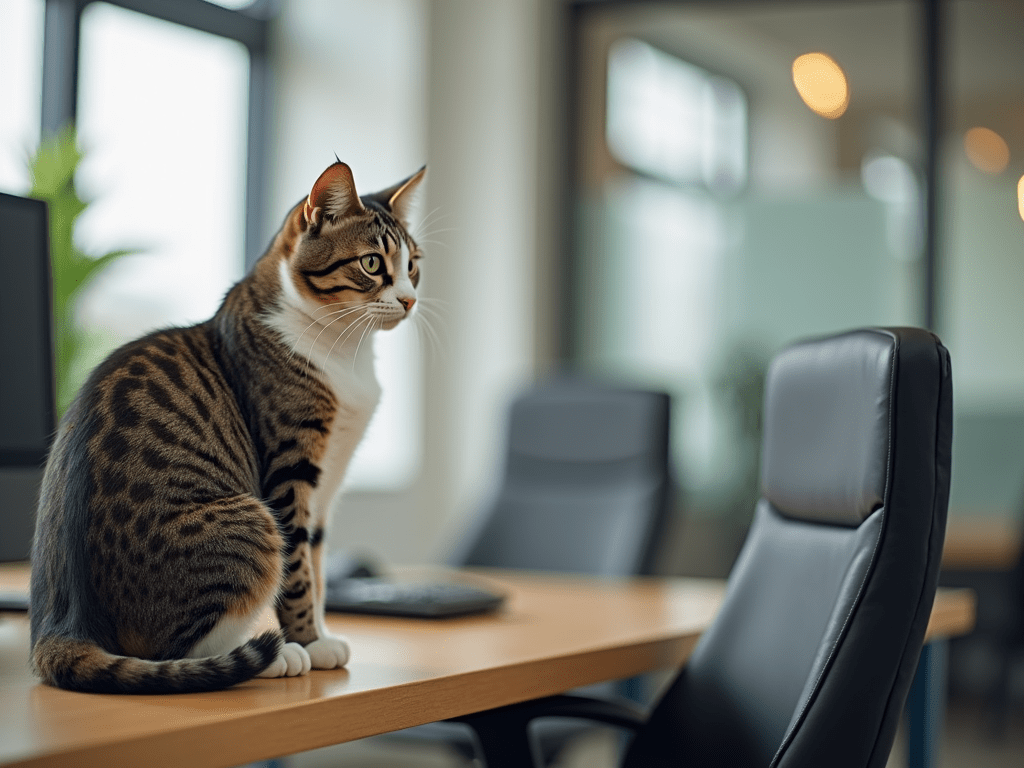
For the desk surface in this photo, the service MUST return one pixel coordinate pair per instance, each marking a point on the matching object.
(981, 543)
(556, 633)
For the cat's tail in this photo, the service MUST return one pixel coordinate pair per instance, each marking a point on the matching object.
(79, 665)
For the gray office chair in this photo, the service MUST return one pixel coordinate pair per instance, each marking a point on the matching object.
(811, 657)
(586, 485)
(587, 488)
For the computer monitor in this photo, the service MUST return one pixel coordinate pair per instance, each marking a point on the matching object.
(27, 390)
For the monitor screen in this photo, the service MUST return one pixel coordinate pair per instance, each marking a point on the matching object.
(27, 403)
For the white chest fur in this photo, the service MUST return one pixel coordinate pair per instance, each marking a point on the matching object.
(343, 350)
(357, 394)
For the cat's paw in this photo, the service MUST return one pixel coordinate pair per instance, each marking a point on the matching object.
(293, 660)
(328, 653)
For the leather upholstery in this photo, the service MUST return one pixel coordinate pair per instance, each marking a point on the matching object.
(586, 483)
(811, 658)
(584, 423)
(826, 428)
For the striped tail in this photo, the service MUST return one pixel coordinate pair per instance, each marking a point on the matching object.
(79, 665)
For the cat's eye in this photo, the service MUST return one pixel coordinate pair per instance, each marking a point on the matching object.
(371, 264)
(411, 265)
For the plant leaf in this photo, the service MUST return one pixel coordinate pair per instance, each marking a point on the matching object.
(53, 168)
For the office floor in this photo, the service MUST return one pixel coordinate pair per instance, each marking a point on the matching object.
(966, 744)
(967, 740)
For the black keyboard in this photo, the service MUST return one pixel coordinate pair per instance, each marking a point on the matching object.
(14, 601)
(423, 600)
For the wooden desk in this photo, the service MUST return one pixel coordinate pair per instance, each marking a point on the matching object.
(555, 634)
(981, 543)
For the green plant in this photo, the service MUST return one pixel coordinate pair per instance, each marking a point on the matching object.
(740, 386)
(53, 179)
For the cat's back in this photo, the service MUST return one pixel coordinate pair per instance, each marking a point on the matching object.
(149, 403)
(154, 431)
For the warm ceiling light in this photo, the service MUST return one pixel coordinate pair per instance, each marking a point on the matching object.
(821, 84)
(986, 150)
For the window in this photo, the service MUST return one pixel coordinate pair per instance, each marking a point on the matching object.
(682, 134)
(674, 120)
(21, 62)
(678, 138)
(162, 115)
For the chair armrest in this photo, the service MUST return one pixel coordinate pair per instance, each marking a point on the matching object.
(503, 738)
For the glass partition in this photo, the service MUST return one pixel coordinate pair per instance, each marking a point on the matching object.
(747, 175)
(981, 304)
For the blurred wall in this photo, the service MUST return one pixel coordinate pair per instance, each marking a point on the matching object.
(458, 84)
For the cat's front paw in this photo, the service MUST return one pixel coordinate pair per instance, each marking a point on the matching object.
(328, 653)
(293, 660)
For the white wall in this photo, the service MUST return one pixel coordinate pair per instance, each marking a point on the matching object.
(484, 147)
(350, 79)
(388, 85)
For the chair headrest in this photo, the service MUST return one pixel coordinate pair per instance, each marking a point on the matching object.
(827, 427)
(569, 421)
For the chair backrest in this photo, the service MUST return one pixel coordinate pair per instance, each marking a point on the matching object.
(811, 658)
(586, 484)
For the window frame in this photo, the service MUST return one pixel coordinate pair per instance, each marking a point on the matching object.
(249, 26)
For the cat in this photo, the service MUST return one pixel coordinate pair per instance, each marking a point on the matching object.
(188, 487)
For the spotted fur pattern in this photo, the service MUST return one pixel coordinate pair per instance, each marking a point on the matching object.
(188, 487)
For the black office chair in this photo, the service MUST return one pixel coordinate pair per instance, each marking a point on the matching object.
(587, 488)
(811, 657)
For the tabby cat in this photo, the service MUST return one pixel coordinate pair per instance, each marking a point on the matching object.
(188, 487)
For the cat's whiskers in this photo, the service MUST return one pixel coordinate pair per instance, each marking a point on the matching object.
(429, 301)
(426, 221)
(427, 229)
(423, 326)
(430, 312)
(424, 241)
(340, 312)
(433, 232)
(347, 332)
(436, 340)
(319, 319)
(369, 327)
(427, 235)
(425, 343)
(334, 304)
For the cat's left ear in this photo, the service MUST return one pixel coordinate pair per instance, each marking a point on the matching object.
(332, 197)
(400, 198)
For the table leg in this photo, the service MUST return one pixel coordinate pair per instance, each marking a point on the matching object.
(926, 706)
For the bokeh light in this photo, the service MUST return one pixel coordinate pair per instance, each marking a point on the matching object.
(986, 150)
(821, 83)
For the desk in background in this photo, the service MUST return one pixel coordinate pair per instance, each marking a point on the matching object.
(981, 543)
(555, 634)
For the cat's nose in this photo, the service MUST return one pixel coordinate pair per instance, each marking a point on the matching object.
(407, 303)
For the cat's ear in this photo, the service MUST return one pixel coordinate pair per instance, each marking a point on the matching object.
(400, 198)
(332, 197)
